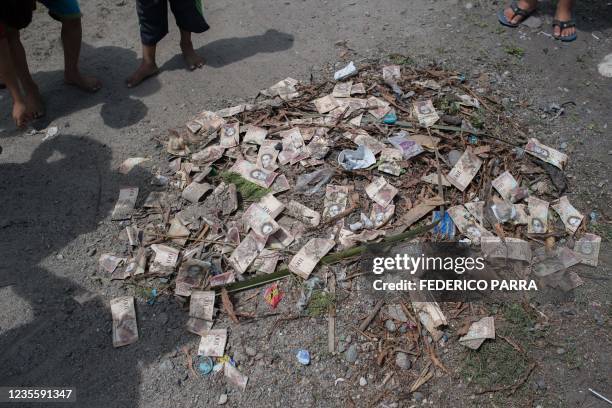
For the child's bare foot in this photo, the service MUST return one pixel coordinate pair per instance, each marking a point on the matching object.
(191, 57)
(84, 83)
(33, 101)
(144, 71)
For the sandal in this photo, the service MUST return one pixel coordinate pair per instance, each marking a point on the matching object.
(517, 12)
(562, 26)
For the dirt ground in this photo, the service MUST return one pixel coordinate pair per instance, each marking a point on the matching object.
(55, 199)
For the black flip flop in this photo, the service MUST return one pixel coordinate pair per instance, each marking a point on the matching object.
(562, 26)
(517, 12)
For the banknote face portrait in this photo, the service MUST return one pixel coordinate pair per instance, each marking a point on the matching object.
(473, 231)
(258, 175)
(537, 225)
(424, 109)
(574, 221)
(540, 151)
(266, 160)
(334, 210)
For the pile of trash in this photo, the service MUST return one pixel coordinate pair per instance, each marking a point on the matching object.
(306, 175)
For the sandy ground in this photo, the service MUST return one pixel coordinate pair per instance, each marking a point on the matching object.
(55, 196)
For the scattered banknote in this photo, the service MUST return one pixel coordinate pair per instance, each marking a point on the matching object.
(467, 224)
(408, 147)
(336, 200)
(271, 205)
(229, 136)
(478, 332)
(178, 232)
(432, 178)
(285, 89)
(212, 343)
(587, 249)
(191, 275)
(381, 192)
(467, 100)
(505, 184)
(125, 326)
(280, 184)
(222, 279)
(266, 157)
(569, 215)
(390, 159)
(109, 263)
(266, 261)
(208, 155)
(209, 122)
(202, 304)
(195, 191)
(548, 262)
(303, 213)
(377, 107)
(255, 135)
(235, 377)
(391, 72)
(294, 147)
(307, 258)
(342, 89)
(545, 153)
(358, 89)
(465, 169)
(125, 204)
(246, 252)
(381, 215)
(253, 173)
(165, 260)
(156, 199)
(325, 104)
(476, 208)
(503, 210)
(537, 223)
(426, 113)
(231, 111)
(361, 138)
(521, 218)
(509, 248)
(260, 221)
(130, 163)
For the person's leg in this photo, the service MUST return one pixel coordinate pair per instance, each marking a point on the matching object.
(527, 5)
(564, 13)
(8, 71)
(32, 96)
(189, 19)
(193, 59)
(68, 13)
(153, 21)
(72, 36)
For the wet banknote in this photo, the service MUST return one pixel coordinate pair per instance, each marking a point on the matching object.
(191, 275)
(467, 224)
(569, 215)
(465, 169)
(381, 192)
(381, 215)
(336, 200)
(125, 326)
(537, 223)
(202, 304)
(390, 159)
(325, 104)
(408, 147)
(426, 113)
(266, 261)
(246, 252)
(266, 157)
(587, 249)
(342, 89)
(125, 204)
(209, 154)
(546, 153)
(307, 258)
(212, 343)
(505, 184)
(260, 221)
(301, 212)
(255, 135)
(253, 173)
(512, 248)
(229, 135)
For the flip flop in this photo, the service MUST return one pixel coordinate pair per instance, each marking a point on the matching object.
(517, 12)
(562, 26)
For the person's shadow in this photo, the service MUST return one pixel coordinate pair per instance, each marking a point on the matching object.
(57, 197)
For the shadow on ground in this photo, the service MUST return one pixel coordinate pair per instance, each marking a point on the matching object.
(46, 204)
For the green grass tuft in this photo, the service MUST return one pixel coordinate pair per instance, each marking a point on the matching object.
(248, 190)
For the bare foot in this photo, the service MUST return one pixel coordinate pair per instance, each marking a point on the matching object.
(84, 83)
(144, 71)
(191, 57)
(33, 101)
(563, 13)
(527, 5)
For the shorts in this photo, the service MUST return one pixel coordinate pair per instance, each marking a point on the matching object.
(62, 9)
(153, 18)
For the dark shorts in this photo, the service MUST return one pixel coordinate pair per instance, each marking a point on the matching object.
(153, 18)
